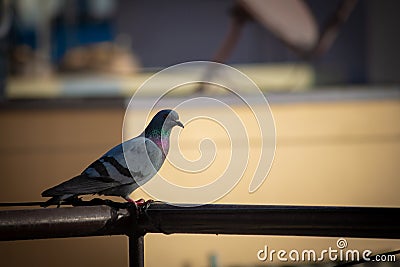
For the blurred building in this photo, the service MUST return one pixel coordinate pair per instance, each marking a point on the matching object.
(102, 36)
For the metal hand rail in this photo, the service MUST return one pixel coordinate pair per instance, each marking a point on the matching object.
(135, 222)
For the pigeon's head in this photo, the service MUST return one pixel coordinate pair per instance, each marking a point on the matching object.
(165, 120)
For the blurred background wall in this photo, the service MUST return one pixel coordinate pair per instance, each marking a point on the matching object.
(69, 67)
(328, 153)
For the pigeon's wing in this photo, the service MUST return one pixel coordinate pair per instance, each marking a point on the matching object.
(81, 185)
(134, 161)
(111, 170)
(142, 157)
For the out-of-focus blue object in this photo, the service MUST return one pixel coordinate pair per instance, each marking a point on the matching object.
(70, 23)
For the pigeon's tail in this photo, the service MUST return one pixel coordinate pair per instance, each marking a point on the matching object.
(79, 185)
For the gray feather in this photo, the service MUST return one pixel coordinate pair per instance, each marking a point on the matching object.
(81, 185)
(123, 168)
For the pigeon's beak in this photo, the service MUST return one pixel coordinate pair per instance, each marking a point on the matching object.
(179, 124)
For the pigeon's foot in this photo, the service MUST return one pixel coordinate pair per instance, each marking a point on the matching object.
(138, 203)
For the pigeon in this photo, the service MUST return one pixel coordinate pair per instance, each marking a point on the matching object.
(110, 175)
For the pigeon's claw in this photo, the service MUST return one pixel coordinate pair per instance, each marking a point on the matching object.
(138, 203)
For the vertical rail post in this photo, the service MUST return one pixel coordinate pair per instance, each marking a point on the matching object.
(136, 250)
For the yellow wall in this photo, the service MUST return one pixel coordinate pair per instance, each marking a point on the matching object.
(336, 153)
